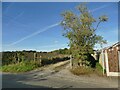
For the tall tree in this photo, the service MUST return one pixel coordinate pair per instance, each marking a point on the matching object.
(80, 31)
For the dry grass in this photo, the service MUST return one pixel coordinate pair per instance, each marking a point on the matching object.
(81, 71)
(87, 71)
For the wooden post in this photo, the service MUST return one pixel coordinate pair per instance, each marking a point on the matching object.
(18, 57)
(34, 57)
(22, 58)
(40, 60)
(14, 58)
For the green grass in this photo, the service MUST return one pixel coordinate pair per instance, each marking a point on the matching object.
(99, 69)
(30, 65)
(20, 67)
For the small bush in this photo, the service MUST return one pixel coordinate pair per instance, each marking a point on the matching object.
(81, 70)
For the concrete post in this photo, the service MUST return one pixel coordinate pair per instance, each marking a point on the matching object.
(103, 61)
(119, 60)
(107, 64)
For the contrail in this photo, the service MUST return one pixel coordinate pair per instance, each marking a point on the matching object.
(47, 28)
(96, 9)
(19, 15)
(33, 34)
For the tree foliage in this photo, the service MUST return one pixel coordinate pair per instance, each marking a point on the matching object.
(81, 32)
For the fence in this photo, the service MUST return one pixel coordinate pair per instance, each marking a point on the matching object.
(16, 57)
(110, 60)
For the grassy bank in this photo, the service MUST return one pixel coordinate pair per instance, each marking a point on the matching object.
(25, 66)
(20, 67)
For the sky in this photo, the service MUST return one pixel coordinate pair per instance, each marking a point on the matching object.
(35, 25)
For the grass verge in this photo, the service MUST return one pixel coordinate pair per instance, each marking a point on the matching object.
(81, 71)
(98, 69)
(87, 71)
(20, 67)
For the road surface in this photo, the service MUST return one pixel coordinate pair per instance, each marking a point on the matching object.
(48, 77)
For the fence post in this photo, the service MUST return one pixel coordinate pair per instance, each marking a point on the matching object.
(34, 56)
(103, 61)
(14, 58)
(40, 60)
(107, 64)
(18, 57)
(119, 61)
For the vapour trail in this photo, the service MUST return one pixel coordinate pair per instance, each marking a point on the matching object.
(96, 9)
(13, 19)
(33, 34)
(47, 28)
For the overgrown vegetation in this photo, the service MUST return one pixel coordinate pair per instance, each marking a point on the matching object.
(20, 67)
(25, 66)
(14, 57)
(22, 61)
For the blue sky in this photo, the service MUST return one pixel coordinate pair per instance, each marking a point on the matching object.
(34, 26)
